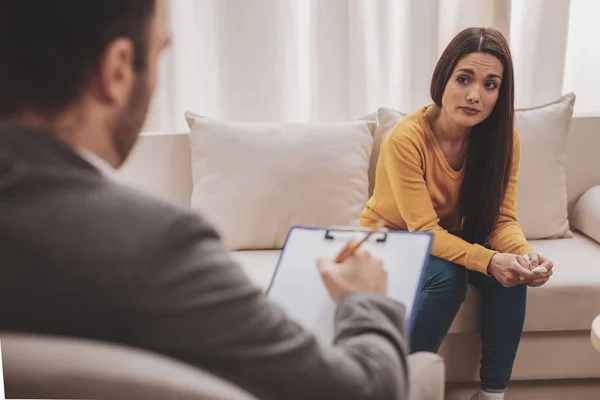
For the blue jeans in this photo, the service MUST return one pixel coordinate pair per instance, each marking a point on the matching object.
(502, 317)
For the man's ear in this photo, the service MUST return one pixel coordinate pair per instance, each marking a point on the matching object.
(116, 75)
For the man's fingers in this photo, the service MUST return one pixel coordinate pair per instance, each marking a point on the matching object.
(323, 265)
(350, 244)
(320, 265)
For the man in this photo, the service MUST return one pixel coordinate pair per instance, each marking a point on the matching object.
(84, 256)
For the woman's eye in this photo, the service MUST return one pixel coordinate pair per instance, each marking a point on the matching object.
(491, 85)
(462, 79)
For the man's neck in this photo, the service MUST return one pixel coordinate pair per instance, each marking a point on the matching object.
(70, 129)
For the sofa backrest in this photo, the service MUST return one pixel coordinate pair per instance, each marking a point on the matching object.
(161, 163)
(583, 157)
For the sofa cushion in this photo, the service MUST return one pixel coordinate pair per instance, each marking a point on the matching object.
(568, 302)
(570, 299)
(586, 216)
(541, 356)
(543, 131)
(372, 117)
(254, 181)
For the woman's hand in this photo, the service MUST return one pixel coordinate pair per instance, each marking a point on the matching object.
(509, 268)
(535, 260)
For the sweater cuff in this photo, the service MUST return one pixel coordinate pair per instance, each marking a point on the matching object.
(478, 258)
(524, 249)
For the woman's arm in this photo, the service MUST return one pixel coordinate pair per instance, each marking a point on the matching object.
(403, 163)
(507, 235)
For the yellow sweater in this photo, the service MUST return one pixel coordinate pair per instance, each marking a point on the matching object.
(417, 190)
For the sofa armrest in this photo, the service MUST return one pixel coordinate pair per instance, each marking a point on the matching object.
(596, 333)
(37, 366)
(427, 376)
(47, 367)
(586, 215)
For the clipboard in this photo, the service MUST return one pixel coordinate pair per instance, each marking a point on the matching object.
(297, 288)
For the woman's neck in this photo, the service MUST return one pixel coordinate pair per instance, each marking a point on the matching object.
(444, 127)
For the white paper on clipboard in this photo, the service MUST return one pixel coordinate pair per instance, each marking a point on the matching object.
(298, 289)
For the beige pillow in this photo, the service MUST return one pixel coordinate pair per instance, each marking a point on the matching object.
(373, 117)
(387, 119)
(254, 181)
(542, 189)
(586, 215)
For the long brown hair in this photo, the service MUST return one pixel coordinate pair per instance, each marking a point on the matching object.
(489, 155)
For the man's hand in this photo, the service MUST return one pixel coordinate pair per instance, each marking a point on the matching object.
(509, 268)
(360, 272)
(535, 260)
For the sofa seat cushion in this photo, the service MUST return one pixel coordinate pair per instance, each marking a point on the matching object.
(568, 302)
(571, 299)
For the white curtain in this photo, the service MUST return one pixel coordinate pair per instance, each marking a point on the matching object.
(332, 60)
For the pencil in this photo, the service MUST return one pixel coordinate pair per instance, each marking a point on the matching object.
(347, 252)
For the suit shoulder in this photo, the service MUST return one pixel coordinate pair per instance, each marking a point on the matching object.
(143, 209)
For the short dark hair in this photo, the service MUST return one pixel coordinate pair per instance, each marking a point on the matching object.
(490, 152)
(48, 48)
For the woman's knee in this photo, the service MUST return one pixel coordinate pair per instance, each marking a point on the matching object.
(445, 276)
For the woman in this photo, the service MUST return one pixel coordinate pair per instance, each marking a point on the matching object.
(451, 168)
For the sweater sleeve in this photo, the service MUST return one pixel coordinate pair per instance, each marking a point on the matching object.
(403, 163)
(507, 235)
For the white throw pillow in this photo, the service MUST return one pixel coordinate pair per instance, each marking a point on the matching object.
(542, 189)
(586, 214)
(254, 181)
(373, 117)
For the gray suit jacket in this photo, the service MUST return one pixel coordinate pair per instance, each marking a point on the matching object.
(81, 255)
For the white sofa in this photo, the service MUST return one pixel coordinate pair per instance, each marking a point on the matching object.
(555, 360)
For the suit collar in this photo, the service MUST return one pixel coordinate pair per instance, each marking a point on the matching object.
(26, 145)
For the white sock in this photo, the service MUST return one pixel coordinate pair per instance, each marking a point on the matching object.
(484, 395)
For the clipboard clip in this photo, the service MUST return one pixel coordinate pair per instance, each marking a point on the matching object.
(380, 235)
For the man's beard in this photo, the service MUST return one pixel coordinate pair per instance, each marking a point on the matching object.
(131, 119)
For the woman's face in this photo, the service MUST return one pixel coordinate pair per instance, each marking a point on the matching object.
(473, 88)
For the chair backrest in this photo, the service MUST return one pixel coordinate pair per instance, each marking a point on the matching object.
(37, 366)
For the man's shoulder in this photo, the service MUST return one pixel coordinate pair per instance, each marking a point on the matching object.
(136, 210)
(137, 202)
(106, 219)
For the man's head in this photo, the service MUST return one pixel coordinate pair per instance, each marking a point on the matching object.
(84, 70)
